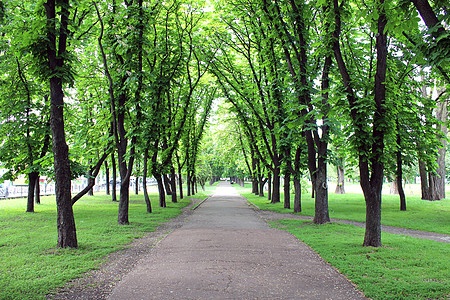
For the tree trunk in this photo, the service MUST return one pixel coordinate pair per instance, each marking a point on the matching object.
(371, 148)
(136, 185)
(167, 185)
(180, 183)
(321, 215)
(261, 184)
(393, 190)
(372, 187)
(372, 236)
(32, 176)
(340, 181)
(65, 219)
(162, 194)
(287, 190)
(173, 184)
(107, 178)
(37, 191)
(114, 180)
(276, 185)
(91, 190)
(195, 185)
(298, 195)
(401, 193)
(269, 186)
(254, 176)
(188, 183)
(440, 177)
(124, 199)
(144, 186)
(424, 181)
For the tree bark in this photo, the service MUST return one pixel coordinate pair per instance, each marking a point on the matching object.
(114, 180)
(433, 186)
(371, 175)
(161, 191)
(107, 178)
(298, 195)
(188, 183)
(65, 219)
(37, 193)
(340, 181)
(276, 185)
(372, 188)
(394, 186)
(424, 181)
(321, 215)
(254, 175)
(269, 186)
(144, 185)
(180, 183)
(167, 185)
(91, 190)
(287, 190)
(173, 184)
(32, 176)
(400, 176)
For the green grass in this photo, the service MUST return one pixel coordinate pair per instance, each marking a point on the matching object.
(404, 268)
(433, 216)
(30, 264)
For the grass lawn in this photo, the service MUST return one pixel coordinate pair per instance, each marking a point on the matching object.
(433, 216)
(30, 264)
(404, 268)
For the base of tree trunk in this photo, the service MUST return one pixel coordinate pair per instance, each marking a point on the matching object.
(340, 190)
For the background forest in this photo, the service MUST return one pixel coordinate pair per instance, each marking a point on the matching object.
(295, 87)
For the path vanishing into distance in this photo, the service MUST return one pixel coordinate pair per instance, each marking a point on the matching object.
(224, 250)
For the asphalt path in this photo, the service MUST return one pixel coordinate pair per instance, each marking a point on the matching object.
(226, 251)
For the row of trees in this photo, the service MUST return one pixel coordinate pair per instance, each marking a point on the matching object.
(133, 82)
(336, 81)
(123, 82)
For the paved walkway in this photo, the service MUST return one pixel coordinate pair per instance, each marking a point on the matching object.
(226, 251)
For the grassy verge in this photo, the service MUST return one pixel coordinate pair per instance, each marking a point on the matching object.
(31, 266)
(404, 268)
(433, 216)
